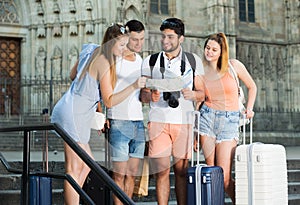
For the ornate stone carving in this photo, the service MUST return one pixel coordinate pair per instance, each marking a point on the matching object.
(39, 9)
(40, 63)
(72, 7)
(281, 69)
(41, 31)
(56, 8)
(9, 12)
(56, 62)
(88, 5)
(89, 27)
(73, 31)
(57, 28)
(273, 61)
(73, 56)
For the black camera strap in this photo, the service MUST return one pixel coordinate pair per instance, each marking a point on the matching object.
(162, 66)
(190, 57)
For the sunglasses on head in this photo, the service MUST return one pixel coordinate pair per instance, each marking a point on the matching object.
(122, 29)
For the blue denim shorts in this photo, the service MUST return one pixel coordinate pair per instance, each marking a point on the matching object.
(222, 125)
(127, 139)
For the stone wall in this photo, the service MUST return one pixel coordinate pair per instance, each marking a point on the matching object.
(52, 33)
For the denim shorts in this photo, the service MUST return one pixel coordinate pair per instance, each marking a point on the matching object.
(127, 139)
(222, 125)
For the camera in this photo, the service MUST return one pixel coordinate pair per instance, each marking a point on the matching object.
(172, 98)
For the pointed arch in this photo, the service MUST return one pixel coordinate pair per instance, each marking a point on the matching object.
(132, 12)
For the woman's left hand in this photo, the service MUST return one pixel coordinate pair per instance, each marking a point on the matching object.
(140, 82)
(249, 113)
(188, 94)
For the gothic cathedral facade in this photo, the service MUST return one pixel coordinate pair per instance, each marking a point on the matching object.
(41, 39)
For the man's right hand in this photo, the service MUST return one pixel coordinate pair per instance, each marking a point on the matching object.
(145, 95)
(155, 95)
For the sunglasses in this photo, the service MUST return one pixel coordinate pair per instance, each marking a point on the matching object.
(123, 30)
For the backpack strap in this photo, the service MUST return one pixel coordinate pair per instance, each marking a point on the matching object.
(190, 57)
(192, 61)
(152, 61)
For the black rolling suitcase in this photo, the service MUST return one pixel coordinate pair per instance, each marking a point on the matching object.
(94, 187)
(205, 184)
(97, 191)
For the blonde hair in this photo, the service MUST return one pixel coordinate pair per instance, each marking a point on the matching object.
(111, 36)
(221, 39)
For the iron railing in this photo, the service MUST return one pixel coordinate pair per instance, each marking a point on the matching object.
(40, 93)
(95, 167)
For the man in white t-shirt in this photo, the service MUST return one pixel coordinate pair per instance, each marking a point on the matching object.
(127, 134)
(170, 112)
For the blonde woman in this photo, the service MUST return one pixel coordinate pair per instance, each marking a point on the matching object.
(219, 120)
(74, 111)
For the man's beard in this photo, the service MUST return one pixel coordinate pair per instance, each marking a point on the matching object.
(170, 49)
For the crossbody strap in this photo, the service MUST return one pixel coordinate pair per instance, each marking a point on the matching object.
(234, 75)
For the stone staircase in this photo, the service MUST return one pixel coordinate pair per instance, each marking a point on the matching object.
(10, 189)
(11, 185)
(13, 141)
(294, 181)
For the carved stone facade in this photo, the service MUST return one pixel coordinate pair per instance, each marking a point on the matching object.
(52, 32)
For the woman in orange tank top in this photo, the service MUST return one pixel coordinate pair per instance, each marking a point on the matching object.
(219, 119)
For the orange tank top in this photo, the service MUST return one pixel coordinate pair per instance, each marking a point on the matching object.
(222, 94)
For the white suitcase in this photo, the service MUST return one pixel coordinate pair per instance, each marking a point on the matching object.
(260, 173)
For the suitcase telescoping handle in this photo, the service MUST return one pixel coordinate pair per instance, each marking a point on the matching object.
(195, 131)
(45, 144)
(244, 129)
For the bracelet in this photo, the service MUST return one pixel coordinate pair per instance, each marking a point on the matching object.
(249, 109)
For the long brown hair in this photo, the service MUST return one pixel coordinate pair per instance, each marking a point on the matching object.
(111, 36)
(221, 39)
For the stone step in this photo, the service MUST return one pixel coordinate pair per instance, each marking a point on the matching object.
(227, 202)
(293, 164)
(13, 141)
(14, 197)
(53, 166)
(11, 183)
(294, 188)
(294, 199)
(294, 175)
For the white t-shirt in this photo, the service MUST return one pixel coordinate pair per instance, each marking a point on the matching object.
(160, 111)
(127, 73)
